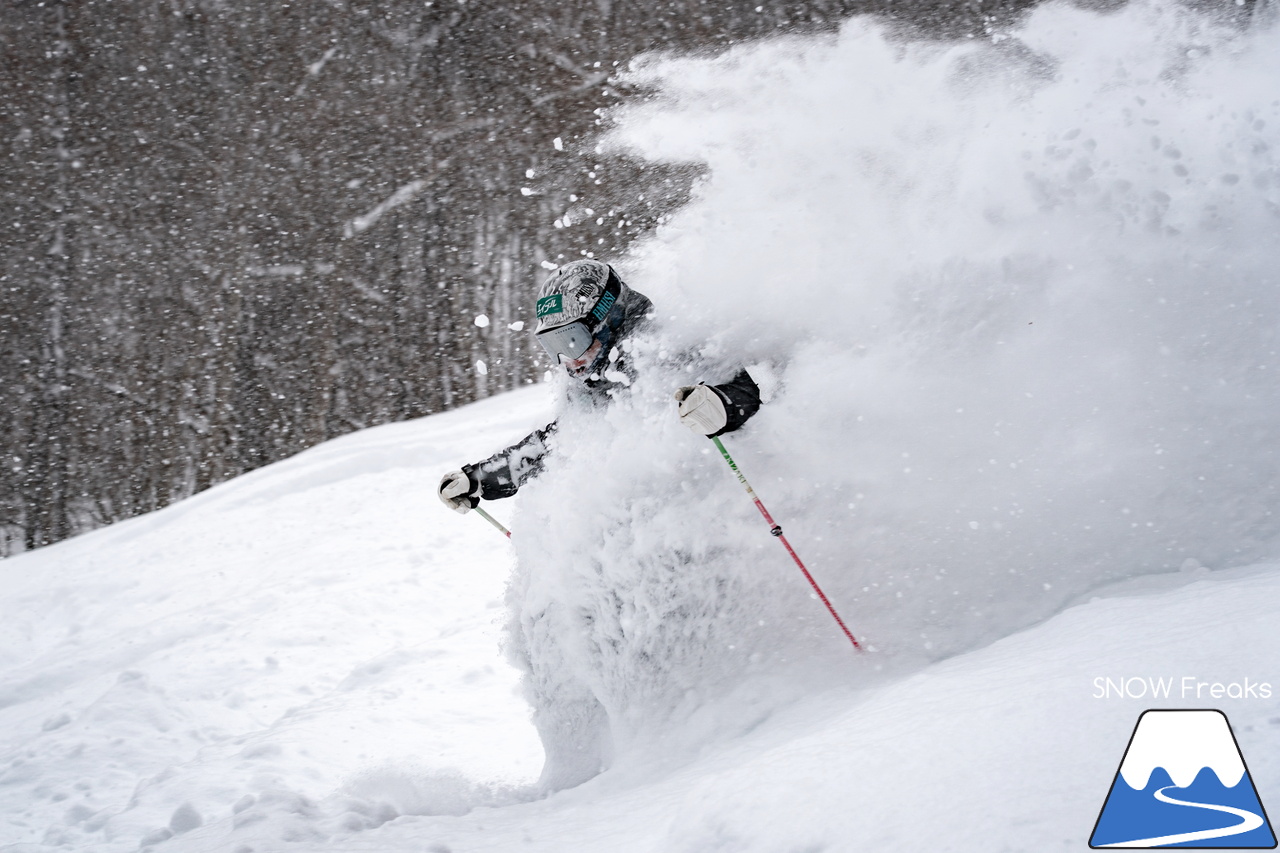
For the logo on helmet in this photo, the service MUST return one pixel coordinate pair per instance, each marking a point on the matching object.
(603, 306)
(553, 304)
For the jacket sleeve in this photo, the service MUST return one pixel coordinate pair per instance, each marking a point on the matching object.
(503, 473)
(741, 398)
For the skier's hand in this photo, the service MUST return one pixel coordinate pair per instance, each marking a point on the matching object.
(458, 492)
(701, 409)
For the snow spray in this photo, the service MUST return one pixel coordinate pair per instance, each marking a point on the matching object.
(1018, 294)
(1011, 305)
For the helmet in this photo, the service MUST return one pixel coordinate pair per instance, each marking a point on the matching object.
(574, 307)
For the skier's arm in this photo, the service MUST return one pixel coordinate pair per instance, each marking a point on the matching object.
(503, 473)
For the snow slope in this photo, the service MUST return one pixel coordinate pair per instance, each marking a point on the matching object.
(295, 658)
(1012, 304)
(307, 658)
(319, 630)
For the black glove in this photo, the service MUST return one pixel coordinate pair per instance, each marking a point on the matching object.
(459, 492)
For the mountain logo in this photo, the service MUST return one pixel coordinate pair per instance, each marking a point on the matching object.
(1183, 783)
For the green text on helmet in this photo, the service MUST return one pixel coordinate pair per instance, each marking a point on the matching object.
(547, 305)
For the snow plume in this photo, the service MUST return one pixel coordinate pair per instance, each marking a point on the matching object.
(1015, 303)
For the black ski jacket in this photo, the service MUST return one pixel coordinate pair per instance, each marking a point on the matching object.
(503, 473)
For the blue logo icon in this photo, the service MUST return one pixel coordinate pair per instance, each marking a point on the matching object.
(1183, 783)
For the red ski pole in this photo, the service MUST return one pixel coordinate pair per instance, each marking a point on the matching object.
(776, 530)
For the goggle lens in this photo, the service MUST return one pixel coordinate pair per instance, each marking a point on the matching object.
(570, 340)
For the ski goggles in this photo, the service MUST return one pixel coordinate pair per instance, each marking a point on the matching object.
(570, 340)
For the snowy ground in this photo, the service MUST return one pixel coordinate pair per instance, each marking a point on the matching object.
(1012, 304)
(316, 632)
(307, 658)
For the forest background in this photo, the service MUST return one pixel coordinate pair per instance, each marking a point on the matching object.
(233, 229)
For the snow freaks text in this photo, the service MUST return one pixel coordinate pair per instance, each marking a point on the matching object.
(1173, 687)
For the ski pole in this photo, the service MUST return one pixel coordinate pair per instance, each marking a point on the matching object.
(493, 521)
(776, 530)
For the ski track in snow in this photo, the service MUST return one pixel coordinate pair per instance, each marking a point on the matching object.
(1012, 304)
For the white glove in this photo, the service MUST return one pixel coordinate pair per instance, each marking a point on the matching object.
(701, 409)
(458, 492)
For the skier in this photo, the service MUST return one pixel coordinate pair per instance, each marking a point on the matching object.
(584, 313)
